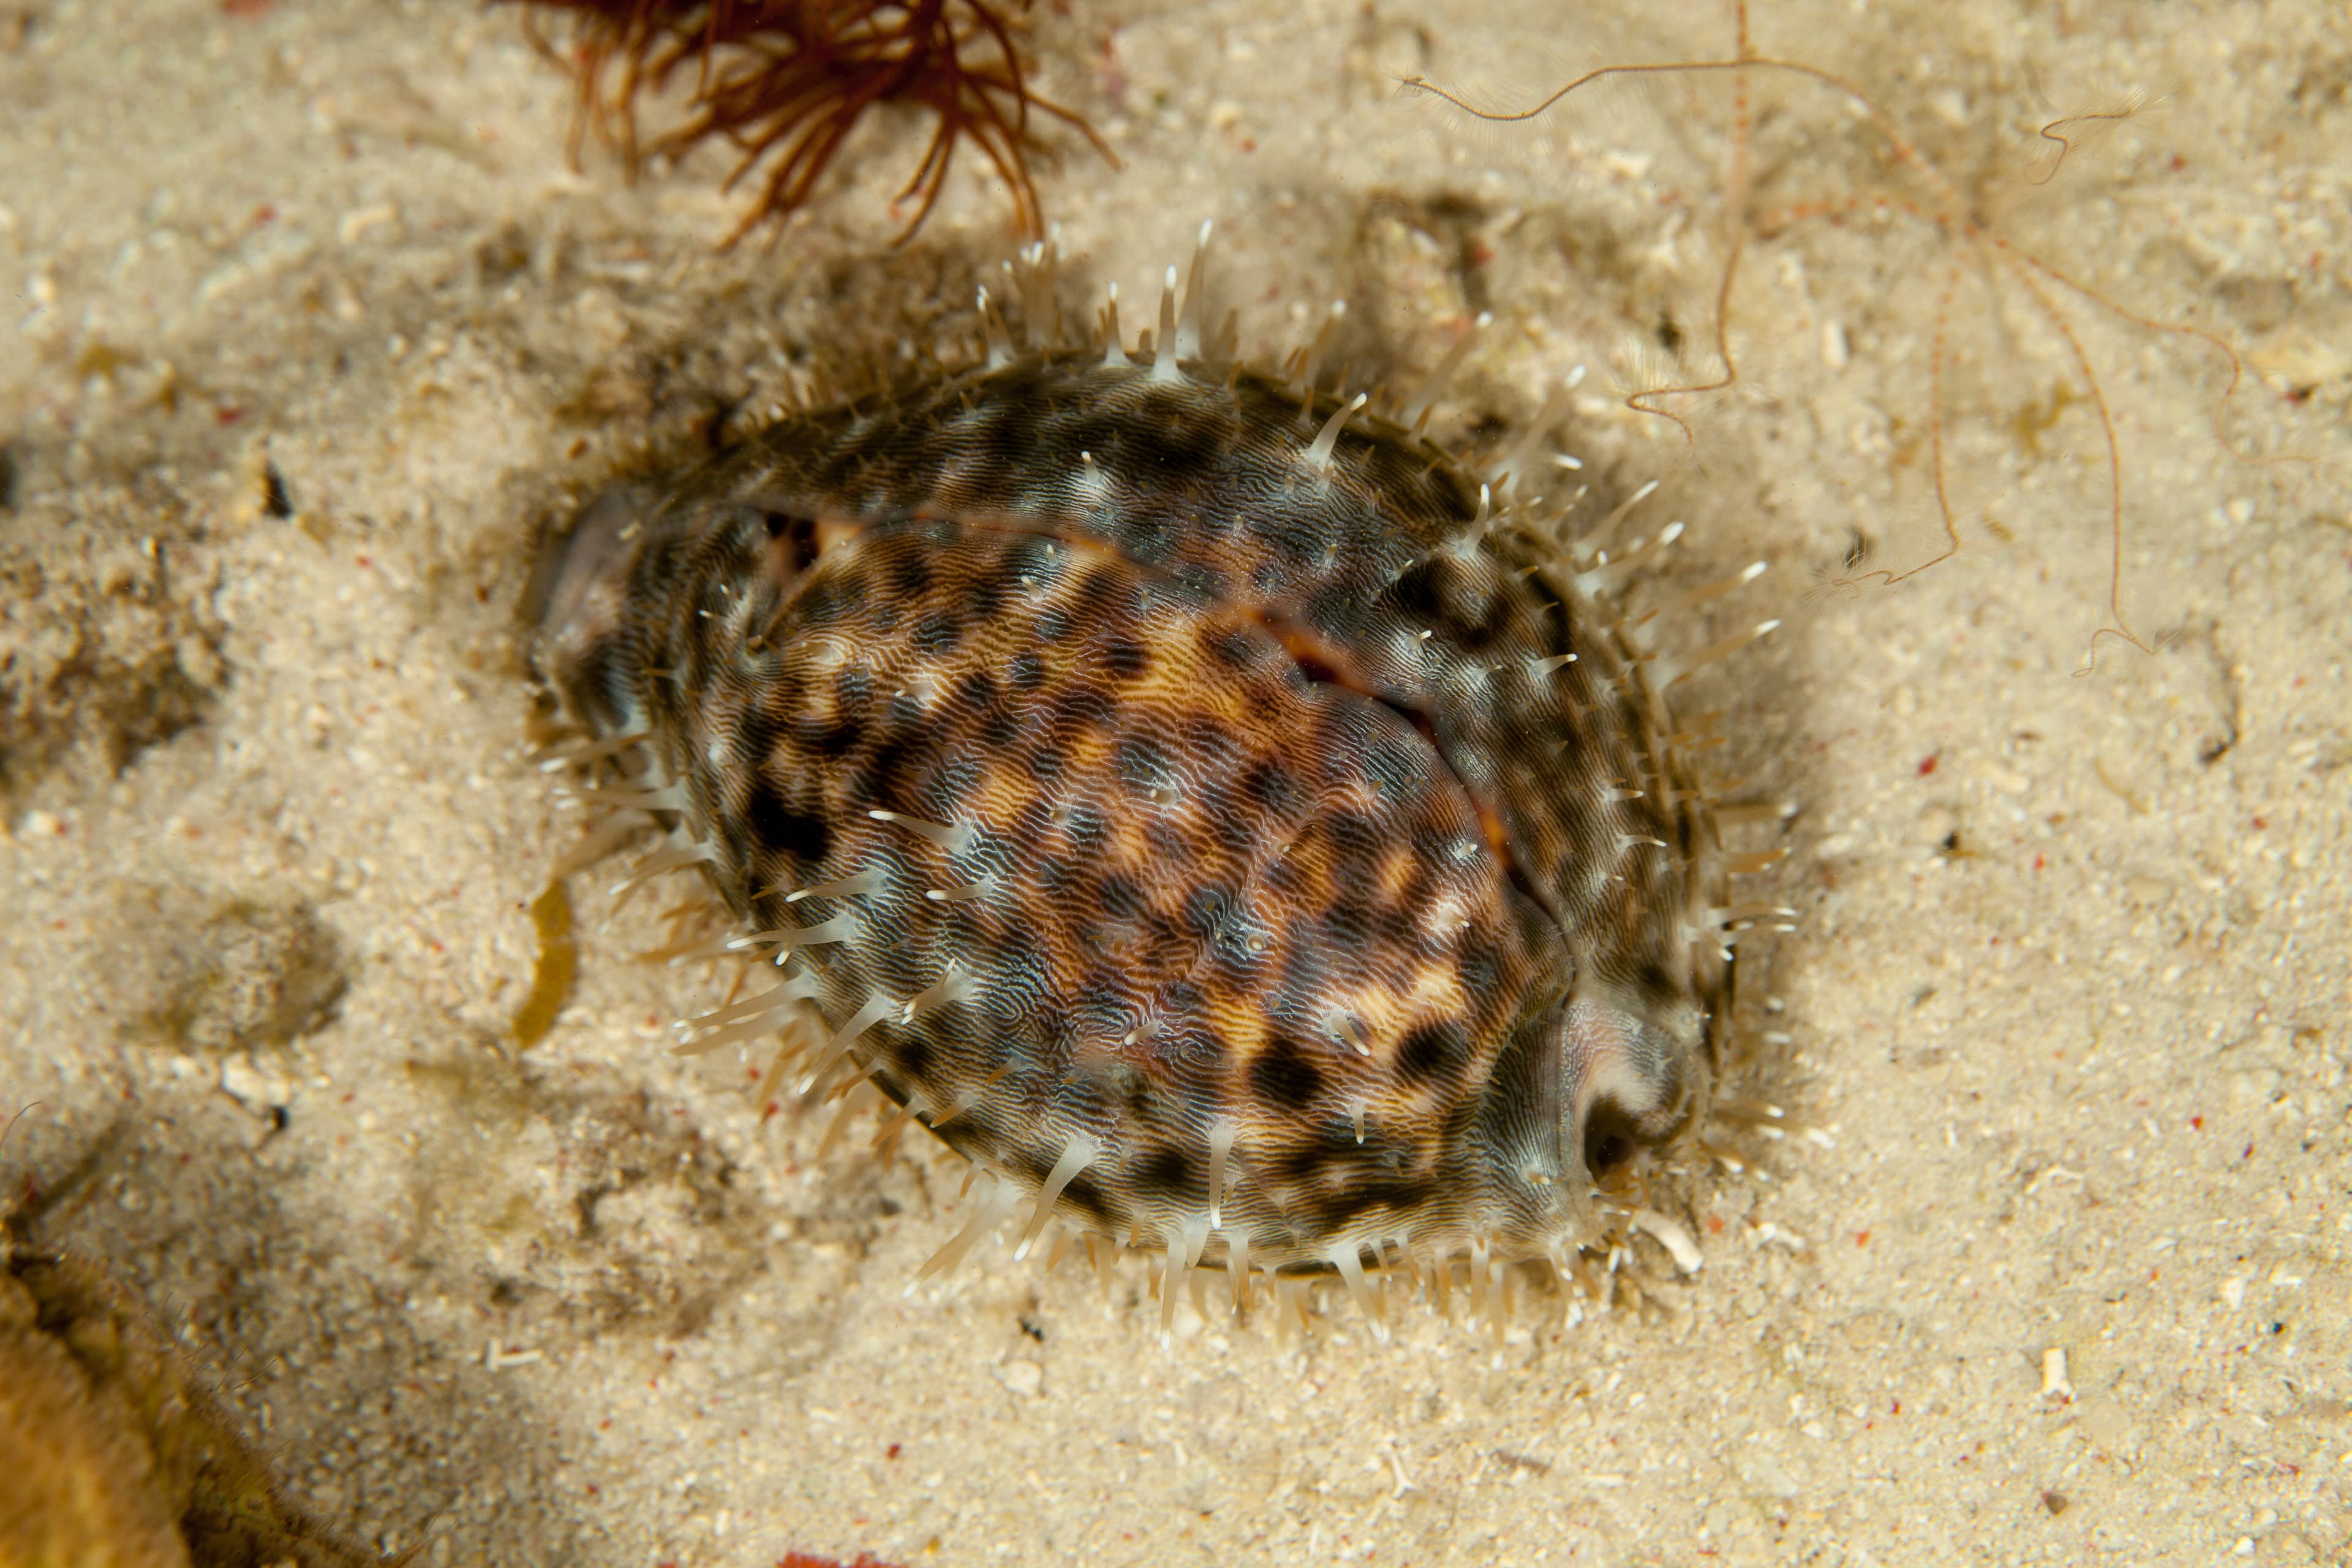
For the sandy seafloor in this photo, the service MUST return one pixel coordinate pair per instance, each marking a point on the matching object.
(2065, 1021)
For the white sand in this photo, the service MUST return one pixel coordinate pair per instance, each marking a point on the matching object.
(2059, 1271)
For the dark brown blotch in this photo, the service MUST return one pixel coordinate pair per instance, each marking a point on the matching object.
(1459, 602)
(1124, 659)
(1282, 1075)
(1166, 1169)
(777, 825)
(1435, 1053)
